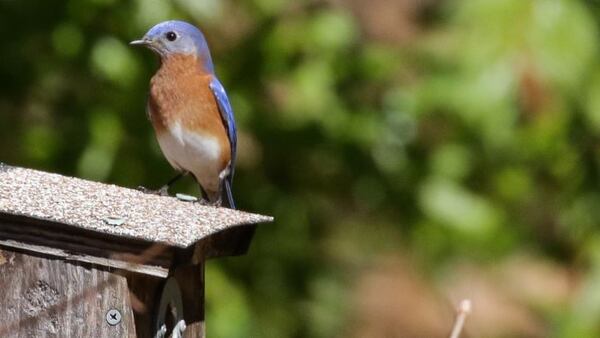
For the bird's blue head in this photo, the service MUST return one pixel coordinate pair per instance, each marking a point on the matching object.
(177, 37)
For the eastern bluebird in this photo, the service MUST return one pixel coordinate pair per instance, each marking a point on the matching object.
(190, 111)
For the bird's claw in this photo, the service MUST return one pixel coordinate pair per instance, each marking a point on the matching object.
(163, 191)
(204, 202)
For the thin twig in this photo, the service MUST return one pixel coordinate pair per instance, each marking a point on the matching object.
(461, 315)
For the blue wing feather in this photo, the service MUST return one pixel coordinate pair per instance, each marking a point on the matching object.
(229, 121)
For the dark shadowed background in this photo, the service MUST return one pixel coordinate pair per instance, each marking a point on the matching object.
(413, 152)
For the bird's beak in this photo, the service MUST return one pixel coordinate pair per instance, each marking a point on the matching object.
(142, 42)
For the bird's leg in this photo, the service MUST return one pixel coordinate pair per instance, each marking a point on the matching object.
(164, 190)
(204, 200)
(218, 202)
(208, 203)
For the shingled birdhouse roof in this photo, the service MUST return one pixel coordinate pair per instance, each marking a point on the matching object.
(114, 226)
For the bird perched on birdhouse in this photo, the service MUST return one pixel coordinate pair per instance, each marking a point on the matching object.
(190, 111)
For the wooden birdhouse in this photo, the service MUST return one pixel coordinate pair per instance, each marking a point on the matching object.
(85, 259)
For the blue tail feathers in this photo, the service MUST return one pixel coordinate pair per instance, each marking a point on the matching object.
(227, 195)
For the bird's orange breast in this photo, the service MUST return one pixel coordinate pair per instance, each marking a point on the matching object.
(180, 93)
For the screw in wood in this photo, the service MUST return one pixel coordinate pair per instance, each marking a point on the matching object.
(113, 317)
(186, 198)
(115, 221)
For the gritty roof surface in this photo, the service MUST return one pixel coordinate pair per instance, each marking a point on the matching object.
(111, 209)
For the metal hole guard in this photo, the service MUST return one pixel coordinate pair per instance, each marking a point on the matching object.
(170, 299)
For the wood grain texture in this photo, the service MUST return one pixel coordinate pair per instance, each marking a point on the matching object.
(144, 295)
(191, 282)
(85, 243)
(235, 241)
(68, 256)
(46, 297)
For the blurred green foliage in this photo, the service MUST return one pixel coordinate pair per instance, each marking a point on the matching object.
(473, 138)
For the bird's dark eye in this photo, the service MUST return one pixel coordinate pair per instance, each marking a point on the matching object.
(171, 36)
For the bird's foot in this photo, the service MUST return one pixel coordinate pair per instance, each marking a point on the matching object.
(163, 191)
(205, 202)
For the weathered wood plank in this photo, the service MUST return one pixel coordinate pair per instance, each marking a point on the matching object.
(233, 242)
(49, 297)
(111, 263)
(146, 292)
(191, 282)
(144, 295)
(71, 239)
(64, 264)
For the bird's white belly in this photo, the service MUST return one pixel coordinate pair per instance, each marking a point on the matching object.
(194, 152)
